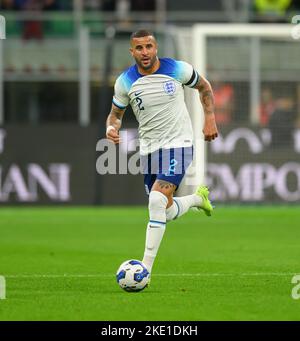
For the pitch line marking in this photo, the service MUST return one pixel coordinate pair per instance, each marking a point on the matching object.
(250, 274)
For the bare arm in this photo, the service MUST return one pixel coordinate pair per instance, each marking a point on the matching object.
(114, 123)
(210, 129)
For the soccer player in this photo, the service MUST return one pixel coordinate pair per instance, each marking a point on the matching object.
(154, 89)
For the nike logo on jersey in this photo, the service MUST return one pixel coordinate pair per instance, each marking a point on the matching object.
(138, 93)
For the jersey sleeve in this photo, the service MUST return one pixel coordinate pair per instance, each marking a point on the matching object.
(120, 98)
(186, 74)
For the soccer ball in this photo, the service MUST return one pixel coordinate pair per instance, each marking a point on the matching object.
(133, 275)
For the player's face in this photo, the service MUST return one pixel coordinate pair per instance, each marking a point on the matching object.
(144, 51)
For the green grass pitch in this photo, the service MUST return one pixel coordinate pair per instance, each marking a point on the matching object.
(60, 264)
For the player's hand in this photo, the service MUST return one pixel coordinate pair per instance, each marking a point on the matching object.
(113, 135)
(210, 129)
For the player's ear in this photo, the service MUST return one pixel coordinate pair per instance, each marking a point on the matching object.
(131, 51)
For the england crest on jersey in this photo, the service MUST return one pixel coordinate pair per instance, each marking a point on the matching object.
(169, 87)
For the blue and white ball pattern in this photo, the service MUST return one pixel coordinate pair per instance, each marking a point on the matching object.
(133, 275)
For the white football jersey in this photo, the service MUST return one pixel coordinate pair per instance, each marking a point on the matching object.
(158, 103)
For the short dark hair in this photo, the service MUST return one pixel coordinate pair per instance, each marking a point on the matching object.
(141, 33)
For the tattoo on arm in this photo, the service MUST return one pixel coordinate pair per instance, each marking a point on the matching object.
(206, 95)
(115, 117)
(118, 113)
(207, 100)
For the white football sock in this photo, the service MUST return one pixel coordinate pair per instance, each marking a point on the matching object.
(156, 226)
(181, 205)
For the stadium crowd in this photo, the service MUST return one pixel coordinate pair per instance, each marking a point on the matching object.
(262, 10)
(99, 5)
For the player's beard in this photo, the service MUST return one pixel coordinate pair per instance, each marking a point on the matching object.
(146, 67)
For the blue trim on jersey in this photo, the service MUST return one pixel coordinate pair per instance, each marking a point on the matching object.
(177, 208)
(172, 68)
(168, 66)
(157, 222)
(118, 105)
(129, 76)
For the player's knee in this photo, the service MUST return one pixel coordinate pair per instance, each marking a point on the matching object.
(157, 200)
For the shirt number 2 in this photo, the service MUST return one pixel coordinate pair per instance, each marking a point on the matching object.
(139, 101)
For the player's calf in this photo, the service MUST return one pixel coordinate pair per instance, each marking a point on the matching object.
(156, 226)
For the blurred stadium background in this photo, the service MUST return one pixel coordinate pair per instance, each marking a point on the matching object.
(58, 65)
